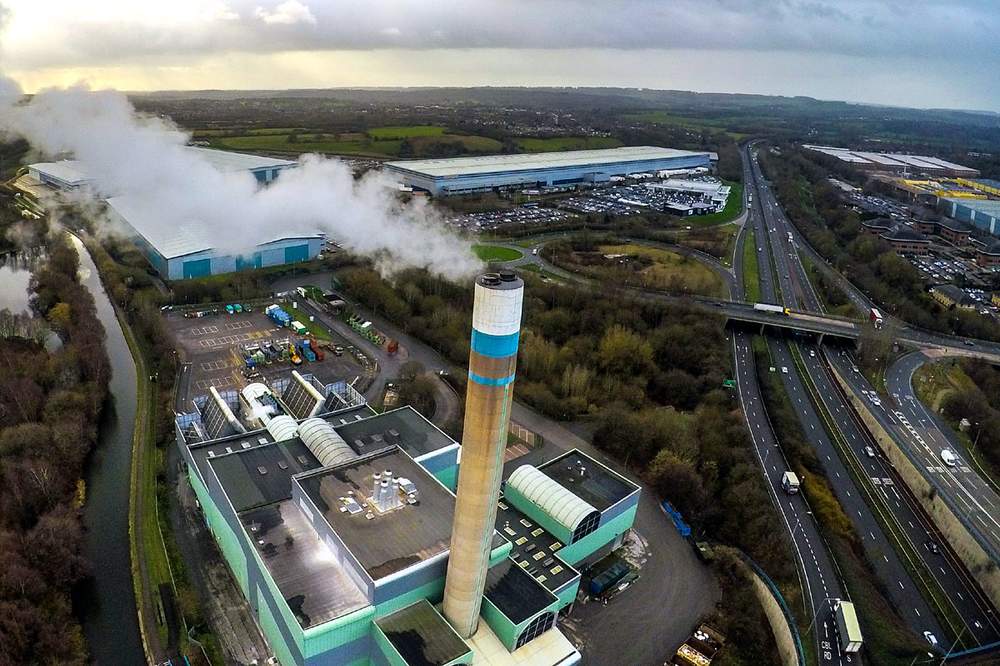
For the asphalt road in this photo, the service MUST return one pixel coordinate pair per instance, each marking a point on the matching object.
(820, 578)
(881, 491)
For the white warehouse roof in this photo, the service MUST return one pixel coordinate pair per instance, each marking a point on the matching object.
(461, 166)
(552, 497)
(74, 172)
(170, 236)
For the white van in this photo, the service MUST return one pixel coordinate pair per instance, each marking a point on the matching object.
(948, 457)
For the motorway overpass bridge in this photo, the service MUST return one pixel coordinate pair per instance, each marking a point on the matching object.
(828, 328)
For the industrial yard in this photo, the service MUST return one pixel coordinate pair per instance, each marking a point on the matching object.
(216, 346)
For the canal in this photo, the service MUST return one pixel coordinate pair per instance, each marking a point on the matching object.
(106, 601)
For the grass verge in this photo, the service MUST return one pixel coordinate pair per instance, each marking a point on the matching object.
(496, 253)
(751, 270)
(732, 209)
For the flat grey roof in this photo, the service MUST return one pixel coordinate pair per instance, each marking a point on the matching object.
(515, 592)
(391, 541)
(68, 171)
(314, 585)
(598, 485)
(421, 636)
(404, 427)
(223, 160)
(261, 474)
(462, 166)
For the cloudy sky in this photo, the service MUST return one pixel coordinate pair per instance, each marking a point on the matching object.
(925, 53)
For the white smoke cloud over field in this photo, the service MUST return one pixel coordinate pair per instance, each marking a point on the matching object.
(144, 159)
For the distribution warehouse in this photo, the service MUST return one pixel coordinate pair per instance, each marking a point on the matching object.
(981, 213)
(181, 249)
(370, 538)
(479, 174)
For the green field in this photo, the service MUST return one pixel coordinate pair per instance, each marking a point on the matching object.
(496, 253)
(533, 145)
(307, 143)
(732, 209)
(751, 271)
(669, 271)
(405, 131)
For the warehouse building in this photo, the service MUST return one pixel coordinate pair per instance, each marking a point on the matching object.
(71, 175)
(338, 525)
(180, 249)
(463, 175)
(896, 163)
(980, 213)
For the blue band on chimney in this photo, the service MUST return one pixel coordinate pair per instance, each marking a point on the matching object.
(494, 346)
(490, 381)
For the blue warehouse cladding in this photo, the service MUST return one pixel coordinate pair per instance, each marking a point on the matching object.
(461, 175)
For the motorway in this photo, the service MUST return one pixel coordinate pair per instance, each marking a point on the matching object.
(882, 504)
(820, 577)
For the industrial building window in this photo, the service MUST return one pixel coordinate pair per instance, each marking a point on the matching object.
(536, 628)
(586, 526)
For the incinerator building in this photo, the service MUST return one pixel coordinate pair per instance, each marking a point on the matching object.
(344, 531)
(462, 175)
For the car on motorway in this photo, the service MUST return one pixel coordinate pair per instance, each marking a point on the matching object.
(812, 353)
(930, 638)
(931, 546)
(784, 369)
(870, 452)
(969, 343)
(948, 457)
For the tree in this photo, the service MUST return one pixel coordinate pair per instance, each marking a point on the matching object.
(625, 353)
(60, 317)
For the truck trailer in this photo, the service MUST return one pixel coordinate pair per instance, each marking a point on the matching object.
(848, 629)
(876, 317)
(767, 307)
(790, 482)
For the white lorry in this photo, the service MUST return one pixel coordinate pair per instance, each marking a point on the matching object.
(848, 629)
(790, 482)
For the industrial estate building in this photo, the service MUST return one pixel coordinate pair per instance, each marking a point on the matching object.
(182, 250)
(68, 175)
(461, 175)
(343, 529)
(980, 213)
(897, 163)
(178, 249)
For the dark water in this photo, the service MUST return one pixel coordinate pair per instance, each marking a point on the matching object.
(106, 602)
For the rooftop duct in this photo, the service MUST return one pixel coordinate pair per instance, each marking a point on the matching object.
(325, 443)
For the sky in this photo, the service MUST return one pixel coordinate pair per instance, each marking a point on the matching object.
(921, 53)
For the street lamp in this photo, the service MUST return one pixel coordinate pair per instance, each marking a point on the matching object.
(816, 614)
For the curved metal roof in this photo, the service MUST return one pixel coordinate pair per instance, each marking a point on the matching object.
(324, 442)
(555, 500)
(282, 427)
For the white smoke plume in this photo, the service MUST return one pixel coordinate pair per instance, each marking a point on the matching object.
(144, 159)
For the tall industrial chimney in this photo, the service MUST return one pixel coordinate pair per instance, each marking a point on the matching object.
(496, 325)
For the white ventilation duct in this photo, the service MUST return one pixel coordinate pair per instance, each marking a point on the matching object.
(324, 442)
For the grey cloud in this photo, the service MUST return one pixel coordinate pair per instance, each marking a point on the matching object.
(848, 27)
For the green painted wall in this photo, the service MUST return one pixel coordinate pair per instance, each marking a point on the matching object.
(501, 626)
(568, 595)
(269, 625)
(535, 513)
(448, 476)
(386, 648)
(433, 592)
(575, 552)
(333, 634)
(224, 536)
